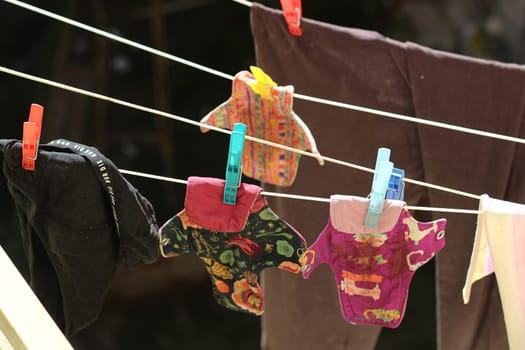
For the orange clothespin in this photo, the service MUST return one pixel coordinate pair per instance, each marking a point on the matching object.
(293, 11)
(31, 136)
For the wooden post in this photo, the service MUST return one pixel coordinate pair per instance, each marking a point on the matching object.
(24, 322)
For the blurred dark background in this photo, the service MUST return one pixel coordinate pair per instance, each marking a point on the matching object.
(169, 305)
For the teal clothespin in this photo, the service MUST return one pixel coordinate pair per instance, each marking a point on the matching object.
(383, 170)
(234, 163)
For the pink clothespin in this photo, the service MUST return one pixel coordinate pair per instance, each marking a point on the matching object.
(31, 136)
(293, 11)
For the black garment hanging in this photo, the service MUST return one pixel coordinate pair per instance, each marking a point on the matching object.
(78, 219)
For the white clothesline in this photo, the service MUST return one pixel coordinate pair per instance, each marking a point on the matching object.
(244, 2)
(296, 196)
(224, 131)
(230, 77)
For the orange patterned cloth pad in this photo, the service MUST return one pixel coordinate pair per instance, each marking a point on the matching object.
(266, 109)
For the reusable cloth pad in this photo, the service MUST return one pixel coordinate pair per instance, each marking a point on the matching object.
(235, 241)
(373, 267)
(268, 116)
(498, 247)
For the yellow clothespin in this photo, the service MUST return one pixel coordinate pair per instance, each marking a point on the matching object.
(263, 84)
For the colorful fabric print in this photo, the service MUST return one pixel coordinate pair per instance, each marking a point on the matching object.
(233, 256)
(373, 267)
(266, 110)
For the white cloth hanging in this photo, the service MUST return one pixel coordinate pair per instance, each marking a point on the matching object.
(498, 247)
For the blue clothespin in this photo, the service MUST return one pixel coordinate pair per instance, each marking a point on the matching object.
(383, 170)
(396, 186)
(234, 165)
